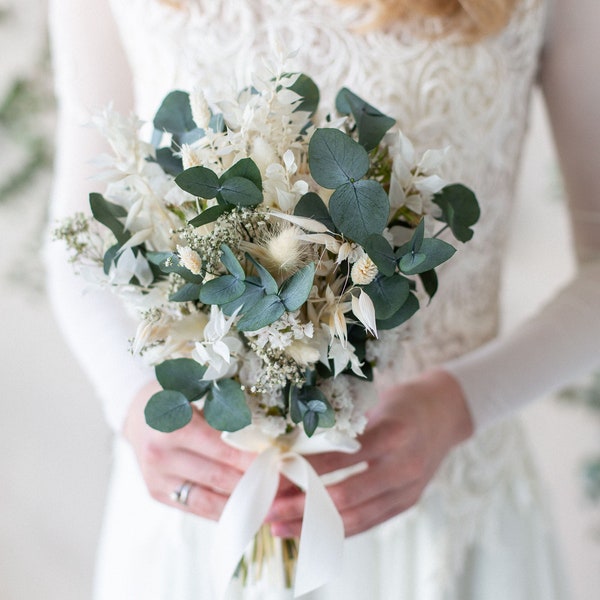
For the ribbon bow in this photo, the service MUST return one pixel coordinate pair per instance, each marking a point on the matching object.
(322, 535)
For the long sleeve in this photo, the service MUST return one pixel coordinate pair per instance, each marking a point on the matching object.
(90, 71)
(562, 341)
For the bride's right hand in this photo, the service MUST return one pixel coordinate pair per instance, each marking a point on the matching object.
(193, 454)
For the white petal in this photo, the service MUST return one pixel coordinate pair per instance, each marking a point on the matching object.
(363, 309)
(304, 222)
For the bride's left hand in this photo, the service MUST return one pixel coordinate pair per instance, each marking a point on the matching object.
(410, 431)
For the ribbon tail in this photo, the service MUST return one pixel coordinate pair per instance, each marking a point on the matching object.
(322, 537)
(243, 515)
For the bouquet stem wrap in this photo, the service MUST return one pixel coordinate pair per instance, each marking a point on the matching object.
(322, 536)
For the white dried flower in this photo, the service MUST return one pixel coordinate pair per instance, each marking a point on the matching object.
(363, 271)
(190, 259)
(284, 251)
(200, 109)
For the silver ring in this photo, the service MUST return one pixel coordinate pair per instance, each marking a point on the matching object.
(182, 493)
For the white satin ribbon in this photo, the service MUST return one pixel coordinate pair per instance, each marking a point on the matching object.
(322, 535)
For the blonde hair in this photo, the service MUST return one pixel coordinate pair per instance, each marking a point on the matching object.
(472, 18)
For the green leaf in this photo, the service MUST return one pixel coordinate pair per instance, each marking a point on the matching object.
(371, 123)
(109, 257)
(225, 408)
(388, 294)
(429, 280)
(199, 181)
(210, 214)
(109, 215)
(410, 262)
(418, 236)
(253, 292)
(266, 311)
(175, 114)
(183, 375)
(190, 292)
(245, 168)
(231, 262)
(312, 207)
(296, 289)
(222, 290)
(168, 411)
(239, 192)
(405, 312)
(309, 405)
(304, 86)
(169, 163)
(335, 158)
(168, 262)
(436, 252)
(460, 210)
(310, 421)
(360, 209)
(381, 253)
(267, 281)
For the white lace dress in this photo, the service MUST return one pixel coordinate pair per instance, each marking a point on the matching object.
(479, 532)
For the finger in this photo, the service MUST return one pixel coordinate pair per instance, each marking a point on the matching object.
(189, 466)
(380, 509)
(201, 501)
(380, 439)
(200, 438)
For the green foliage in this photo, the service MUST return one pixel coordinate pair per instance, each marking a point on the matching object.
(305, 87)
(109, 215)
(240, 185)
(312, 207)
(381, 253)
(168, 262)
(308, 405)
(225, 407)
(211, 214)
(175, 114)
(388, 294)
(460, 210)
(371, 124)
(403, 314)
(264, 312)
(168, 411)
(295, 290)
(183, 375)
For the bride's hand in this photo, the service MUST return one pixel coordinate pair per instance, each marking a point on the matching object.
(194, 454)
(410, 431)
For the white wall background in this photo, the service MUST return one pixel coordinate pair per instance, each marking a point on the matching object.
(54, 447)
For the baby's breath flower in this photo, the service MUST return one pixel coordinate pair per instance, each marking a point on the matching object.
(364, 271)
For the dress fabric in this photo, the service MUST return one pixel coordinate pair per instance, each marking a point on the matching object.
(480, 531)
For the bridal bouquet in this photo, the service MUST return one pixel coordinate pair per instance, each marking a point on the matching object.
(265, 254)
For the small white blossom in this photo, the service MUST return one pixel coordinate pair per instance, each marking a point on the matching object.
(190, 259)
(363, 271)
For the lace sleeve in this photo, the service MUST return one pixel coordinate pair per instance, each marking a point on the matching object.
(90, 71)
(561, 342)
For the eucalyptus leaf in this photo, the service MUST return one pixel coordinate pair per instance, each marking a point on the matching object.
(312, 206)
(231, 263)
(305, 87)
(429, 280)
(436, 252)
(109, 214)
(211, 214)
(239, 191)
(109, 257)
(184, 375)
(360, 209)
(266, 311)
(253, 292)
(310, 421)
(168, 411)
(460, 210)
(225, 408)
(296, 289)
(222, 290)
(267, 281)
(335, 158)
(175, 114)
(199, 181)
(405, 312)
(381, 253)
(371, 123)
(190, 292)
(245, 168)
(388, 294)
(169, 163)
(168, 262)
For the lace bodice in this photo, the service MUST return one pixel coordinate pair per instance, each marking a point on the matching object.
(472, 98)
